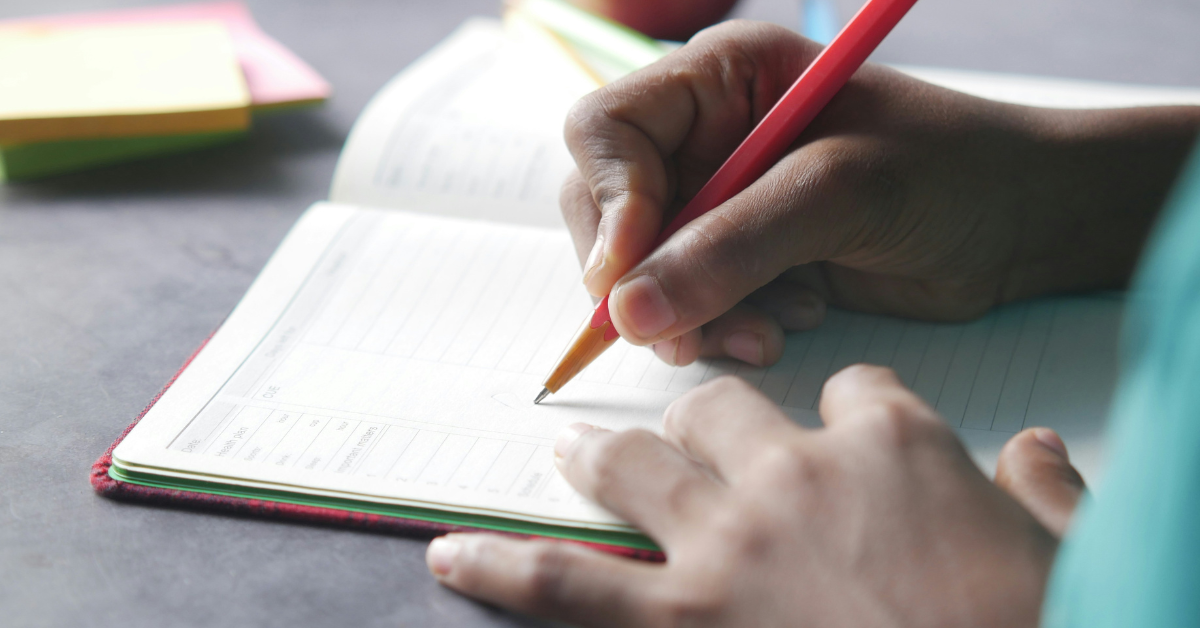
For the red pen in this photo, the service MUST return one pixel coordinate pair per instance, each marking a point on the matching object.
(753, 157)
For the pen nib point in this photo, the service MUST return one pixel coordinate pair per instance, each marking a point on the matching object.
(542, 395)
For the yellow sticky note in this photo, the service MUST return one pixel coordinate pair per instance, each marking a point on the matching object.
(118, 81)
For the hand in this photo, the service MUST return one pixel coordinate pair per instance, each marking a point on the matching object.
(881, 518)
(1034, 468)
(901, 198)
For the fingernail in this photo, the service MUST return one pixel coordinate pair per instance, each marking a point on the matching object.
(441, 554)
(1049, 439)
(746, 346)
(667, 351)
(569, 435)
(595, 259)
(802, 315)
(642, 304)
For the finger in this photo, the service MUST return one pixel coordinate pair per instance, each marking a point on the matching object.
(545, 578)
(803, 209)
(866, 392)
(796, 306)
(1034, 468)
(725, 424)
(625, 174)
(933, 299)
(750, 333)
(580, 214)
(667, 128)
(638, 477)
(681, 350)
(743, 333)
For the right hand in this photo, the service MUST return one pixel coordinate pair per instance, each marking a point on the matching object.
(900, 198)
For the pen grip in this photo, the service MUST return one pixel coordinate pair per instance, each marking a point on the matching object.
(783, 124)
(816, 86)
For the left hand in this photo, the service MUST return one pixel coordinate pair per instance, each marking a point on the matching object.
(881, 518)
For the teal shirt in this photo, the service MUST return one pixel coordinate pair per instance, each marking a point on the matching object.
(1132, 557)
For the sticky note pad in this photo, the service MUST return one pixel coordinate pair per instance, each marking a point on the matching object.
(60, 83)
(275, 76)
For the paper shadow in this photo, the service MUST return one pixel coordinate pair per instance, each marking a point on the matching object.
(606, 407)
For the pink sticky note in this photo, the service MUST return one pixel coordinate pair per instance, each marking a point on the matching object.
(274, 75)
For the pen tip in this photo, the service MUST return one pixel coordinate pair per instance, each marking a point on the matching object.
(542, 395)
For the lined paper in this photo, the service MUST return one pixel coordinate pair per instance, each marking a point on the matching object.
(472, 129)
(411, 353)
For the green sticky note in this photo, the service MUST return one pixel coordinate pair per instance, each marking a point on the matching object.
(32, 161)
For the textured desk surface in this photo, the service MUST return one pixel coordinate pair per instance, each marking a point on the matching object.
(109, 279)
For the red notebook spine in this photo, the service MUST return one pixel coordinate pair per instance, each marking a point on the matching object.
(107, 486)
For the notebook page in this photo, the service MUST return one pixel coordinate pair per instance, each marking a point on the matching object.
(394, 356)
(472, 129)
(402, 363)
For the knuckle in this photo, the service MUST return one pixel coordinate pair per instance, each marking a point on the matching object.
(721, 31)
(723, 385)
(597, 136)
(741, 532)
(885, 413)
(483, 556)
(717, 250)
(680, 494)
(606, 457)
(587, 113)
(544, 574)
(688, 610)
(897, 423)
(850, 380)
(692, 601)
(575, 201)
(854, 169)
(574, 189)
(739, 52)
(676, 415)
(467, 572)
(841, 161)
(609, 188)
(785, 464)
(681, 411)
(831, 174)
(736, 33)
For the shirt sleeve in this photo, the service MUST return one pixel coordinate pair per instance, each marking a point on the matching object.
(1132, 557)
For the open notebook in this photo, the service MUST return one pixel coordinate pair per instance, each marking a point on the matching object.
(386, 358)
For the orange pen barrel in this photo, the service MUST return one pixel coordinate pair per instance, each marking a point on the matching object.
(594, 336)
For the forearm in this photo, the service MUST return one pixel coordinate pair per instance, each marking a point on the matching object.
(1096, 182)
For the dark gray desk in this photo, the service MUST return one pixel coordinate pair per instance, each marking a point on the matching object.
(109, 279)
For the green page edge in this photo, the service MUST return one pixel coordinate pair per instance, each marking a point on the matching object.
(623, 539)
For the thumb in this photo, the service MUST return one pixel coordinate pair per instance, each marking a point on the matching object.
(795, 214)
(1034, 469)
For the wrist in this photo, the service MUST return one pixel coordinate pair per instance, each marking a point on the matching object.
(1093, 183)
